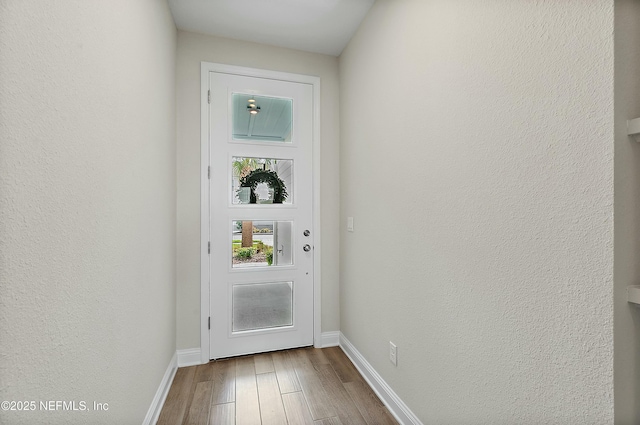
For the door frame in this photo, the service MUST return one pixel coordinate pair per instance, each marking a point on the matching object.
(205, 230)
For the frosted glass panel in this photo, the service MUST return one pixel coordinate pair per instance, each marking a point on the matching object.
(262, 306)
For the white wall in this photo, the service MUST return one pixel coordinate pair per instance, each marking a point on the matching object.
(87, 206)
(477, 160)
(192, 49)
(627, 212)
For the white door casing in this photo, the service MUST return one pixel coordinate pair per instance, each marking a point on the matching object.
(217, 211)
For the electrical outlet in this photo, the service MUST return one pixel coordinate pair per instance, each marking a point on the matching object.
(393, 353)
(350, 224)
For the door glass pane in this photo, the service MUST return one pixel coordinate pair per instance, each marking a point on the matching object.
(262, 118)
(261, 243)
(262, 306)
(261, 180)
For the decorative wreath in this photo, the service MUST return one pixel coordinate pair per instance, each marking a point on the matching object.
(272, 180)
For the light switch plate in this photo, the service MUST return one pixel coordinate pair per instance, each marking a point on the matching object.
(350, 224)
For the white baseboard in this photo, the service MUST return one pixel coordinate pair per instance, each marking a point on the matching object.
(189, 357)
(395, 405)
(161, 395)
(329, 339)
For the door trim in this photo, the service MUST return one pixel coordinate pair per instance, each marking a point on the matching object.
(205, 272)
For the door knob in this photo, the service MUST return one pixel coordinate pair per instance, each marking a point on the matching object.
(306, 248)
(306, 233)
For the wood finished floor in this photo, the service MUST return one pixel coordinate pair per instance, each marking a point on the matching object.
(302, 386)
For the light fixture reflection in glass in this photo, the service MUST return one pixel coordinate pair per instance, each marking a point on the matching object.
(253, 108)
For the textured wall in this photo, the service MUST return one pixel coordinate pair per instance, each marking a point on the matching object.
(192, 49)
(477, 160)
(87, 206)
(627, 212)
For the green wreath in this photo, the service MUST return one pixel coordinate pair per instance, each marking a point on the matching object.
(272, 180)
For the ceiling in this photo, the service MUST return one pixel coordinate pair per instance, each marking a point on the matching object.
(319, 26)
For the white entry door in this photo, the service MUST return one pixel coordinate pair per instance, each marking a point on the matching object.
(261, 223)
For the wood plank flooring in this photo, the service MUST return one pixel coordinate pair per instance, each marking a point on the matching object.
(303, 386)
